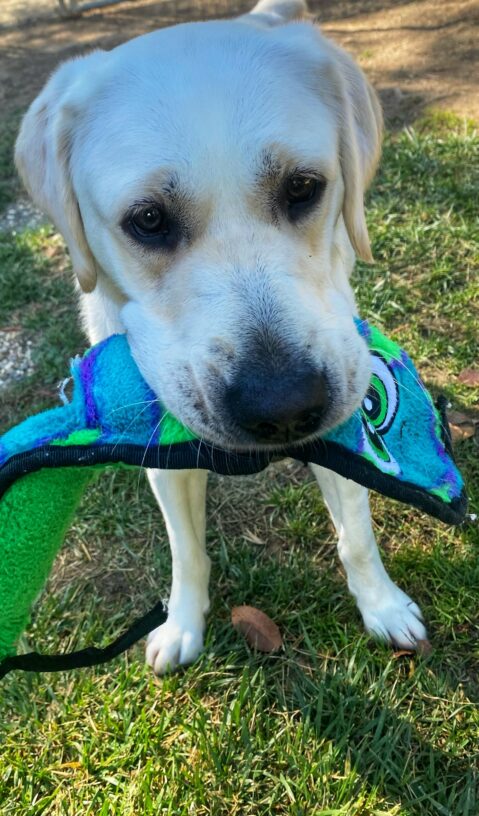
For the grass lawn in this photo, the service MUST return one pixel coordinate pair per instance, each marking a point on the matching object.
(334, 724)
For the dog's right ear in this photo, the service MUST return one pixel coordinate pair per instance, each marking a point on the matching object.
(42, 157)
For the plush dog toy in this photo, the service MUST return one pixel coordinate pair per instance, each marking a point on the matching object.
(397, 443)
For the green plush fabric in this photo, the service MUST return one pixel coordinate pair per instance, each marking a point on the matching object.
(55, 495)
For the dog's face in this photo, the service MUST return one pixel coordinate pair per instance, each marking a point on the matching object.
(211, 177)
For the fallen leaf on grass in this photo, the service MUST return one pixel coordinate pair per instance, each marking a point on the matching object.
(462, 425)
(459, 418)
(459, 432)
(422, 649)
(259, 631)
(469, 376)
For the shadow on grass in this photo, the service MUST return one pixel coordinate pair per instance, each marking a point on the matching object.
(386, 749)
(406, 727)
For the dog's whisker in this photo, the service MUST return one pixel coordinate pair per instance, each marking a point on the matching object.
(415, 377)
(422, 397)
(132, 404)
(132, 422)
(155, 429)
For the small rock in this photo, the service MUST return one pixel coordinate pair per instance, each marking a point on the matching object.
(15, 357)
(21, 216)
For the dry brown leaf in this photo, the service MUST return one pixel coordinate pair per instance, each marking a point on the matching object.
(403, 653)
(469, 376)
(259, 631)
(460, 432)
(423, 648)
(458, 418)
(462, 426)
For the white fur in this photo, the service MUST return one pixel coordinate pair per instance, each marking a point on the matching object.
(182, 500)
(199, 106)
(388, 613)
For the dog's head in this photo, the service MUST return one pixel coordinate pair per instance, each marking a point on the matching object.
(210, 178)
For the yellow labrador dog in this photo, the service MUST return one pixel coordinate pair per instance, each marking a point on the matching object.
(208, 179)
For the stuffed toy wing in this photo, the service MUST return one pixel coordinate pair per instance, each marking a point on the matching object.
(397, 443)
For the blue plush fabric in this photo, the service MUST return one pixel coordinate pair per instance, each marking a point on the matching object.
(396, 438)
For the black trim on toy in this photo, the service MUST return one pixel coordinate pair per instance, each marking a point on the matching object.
(199, 454)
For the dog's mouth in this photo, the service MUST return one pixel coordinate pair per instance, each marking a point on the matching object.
(263, 404)
(267, 435)
(231, 420)
(228, 425)
(273, 436)
(237, 444)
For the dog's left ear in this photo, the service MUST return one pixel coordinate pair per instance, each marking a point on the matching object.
(360, 136)
(43, 153)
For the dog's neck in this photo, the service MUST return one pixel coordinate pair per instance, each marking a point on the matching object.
(101, 309)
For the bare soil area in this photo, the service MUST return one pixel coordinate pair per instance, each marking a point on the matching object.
(417, 53)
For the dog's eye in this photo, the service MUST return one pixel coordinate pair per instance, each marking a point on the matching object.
(300, 188)
(148, 222)
(150, 225)
(302, 191)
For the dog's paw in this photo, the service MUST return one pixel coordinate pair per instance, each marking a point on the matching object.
(173, 644)
(395, 618)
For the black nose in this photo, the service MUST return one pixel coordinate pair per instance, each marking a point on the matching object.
(278, 406)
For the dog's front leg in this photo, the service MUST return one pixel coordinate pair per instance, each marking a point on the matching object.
(182, 498)
(387, 611)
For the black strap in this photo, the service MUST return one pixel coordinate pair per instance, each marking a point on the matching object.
(91, 656)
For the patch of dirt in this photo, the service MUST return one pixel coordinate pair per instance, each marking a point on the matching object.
(416, 53)
(14, 12)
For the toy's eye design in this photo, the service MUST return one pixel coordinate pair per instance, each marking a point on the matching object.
(379, 408)
(381, 401)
